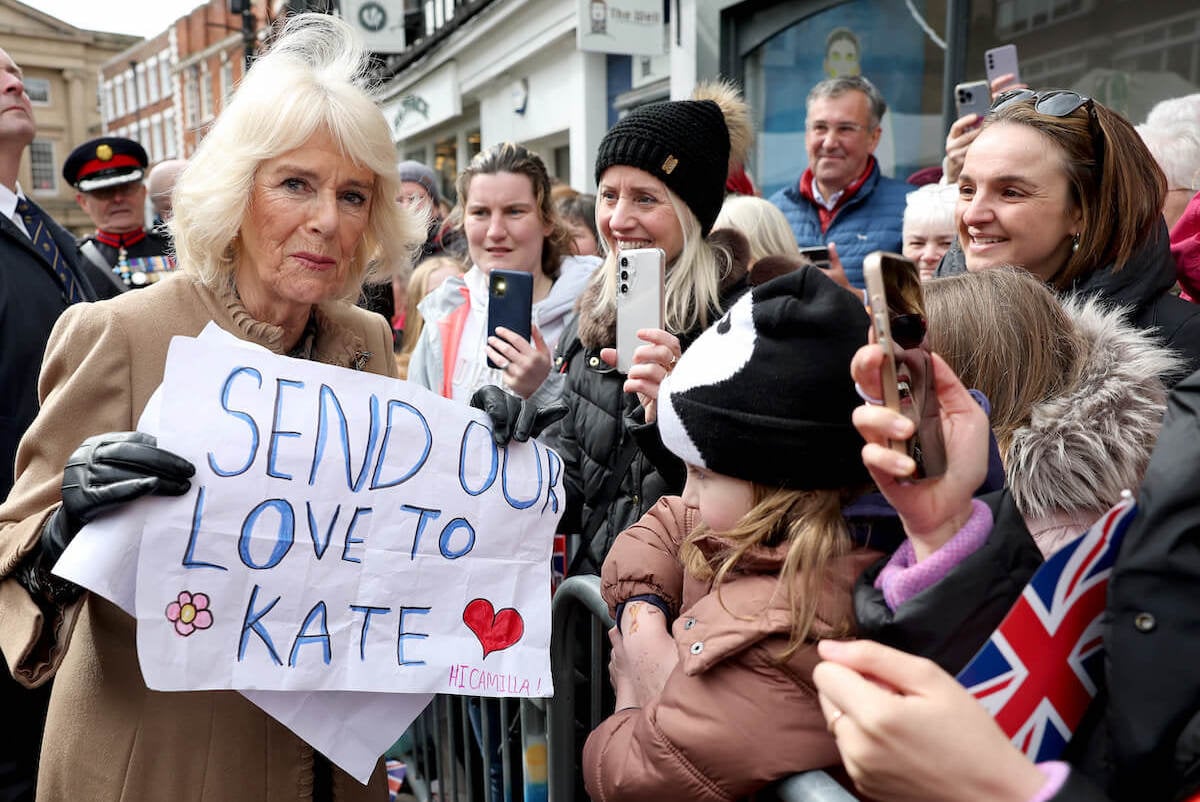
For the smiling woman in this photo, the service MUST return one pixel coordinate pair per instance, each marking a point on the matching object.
(1064, 187)
(280, 215)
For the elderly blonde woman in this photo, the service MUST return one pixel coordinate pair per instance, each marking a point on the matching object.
(761, 223)
(279, 217)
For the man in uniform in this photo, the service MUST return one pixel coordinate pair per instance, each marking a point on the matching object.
(107, 175)
(38, 280)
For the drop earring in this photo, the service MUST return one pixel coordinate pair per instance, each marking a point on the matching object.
(1075, 243)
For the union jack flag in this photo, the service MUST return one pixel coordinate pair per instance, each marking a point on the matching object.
(396, 771)
(1038, 672)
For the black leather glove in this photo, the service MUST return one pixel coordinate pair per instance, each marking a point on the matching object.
(106, 471)
(514, 418)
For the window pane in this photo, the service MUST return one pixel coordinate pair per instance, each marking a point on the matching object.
(41, 158)
(38, 90)
(1128, 56)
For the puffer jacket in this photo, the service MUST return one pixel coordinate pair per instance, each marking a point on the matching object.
(1087, 444)
(1142, 287)
(731, 717)
(872, 220)
(603, 419)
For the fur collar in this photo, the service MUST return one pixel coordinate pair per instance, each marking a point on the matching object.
(598, 326)
(1082, 448)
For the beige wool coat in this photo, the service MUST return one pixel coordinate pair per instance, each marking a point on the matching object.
(108, 738)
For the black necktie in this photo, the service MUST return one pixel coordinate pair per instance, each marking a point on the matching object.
(39, 232)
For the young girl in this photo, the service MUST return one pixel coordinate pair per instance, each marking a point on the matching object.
(721, 595)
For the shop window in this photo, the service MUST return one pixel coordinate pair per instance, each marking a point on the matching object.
(1129, 58)
(445, 164)
(785, 54)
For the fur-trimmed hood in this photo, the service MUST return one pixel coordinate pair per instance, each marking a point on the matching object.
(598, 326)
(1083, 447)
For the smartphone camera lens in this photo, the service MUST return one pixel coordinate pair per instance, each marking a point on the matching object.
(624, 288)
(624, 262)
(624, 275)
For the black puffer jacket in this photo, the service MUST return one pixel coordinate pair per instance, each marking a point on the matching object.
(1143, 286)
(603, 420)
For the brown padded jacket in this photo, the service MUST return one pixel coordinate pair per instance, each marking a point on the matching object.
(731, 718)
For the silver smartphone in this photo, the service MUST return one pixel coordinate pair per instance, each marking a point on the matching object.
(972, 97)
(640, 278)
(1002, 61)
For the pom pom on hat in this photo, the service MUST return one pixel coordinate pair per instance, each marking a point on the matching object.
(765, 393)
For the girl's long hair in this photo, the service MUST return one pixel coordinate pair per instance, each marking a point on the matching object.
(811, 523)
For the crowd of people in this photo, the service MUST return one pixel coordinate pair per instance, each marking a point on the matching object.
(787, 595)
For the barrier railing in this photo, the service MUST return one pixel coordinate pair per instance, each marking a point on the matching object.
(505, 750)
(576, 601)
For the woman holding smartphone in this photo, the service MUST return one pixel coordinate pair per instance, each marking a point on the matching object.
(510, 223)
(661, 174)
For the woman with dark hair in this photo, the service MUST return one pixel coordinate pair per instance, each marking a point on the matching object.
(509, 222)
(1063, 187)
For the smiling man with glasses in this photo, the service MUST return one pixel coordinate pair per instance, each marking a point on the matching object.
(107, 175)
(842, 197)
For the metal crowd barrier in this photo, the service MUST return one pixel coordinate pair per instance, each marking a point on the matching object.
(538, 751)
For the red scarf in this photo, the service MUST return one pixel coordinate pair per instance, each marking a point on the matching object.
(120, 240)
(827, 215)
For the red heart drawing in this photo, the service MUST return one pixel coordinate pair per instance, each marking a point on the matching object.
(496, 630)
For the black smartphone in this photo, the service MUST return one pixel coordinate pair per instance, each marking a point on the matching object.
(817, 254)
(510, 304)
(898, 318)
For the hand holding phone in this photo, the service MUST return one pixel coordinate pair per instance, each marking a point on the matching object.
(641, 273)
(510, 304)
(898, 320)
(972, 97)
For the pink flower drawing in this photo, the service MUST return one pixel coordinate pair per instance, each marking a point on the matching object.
(189, 612)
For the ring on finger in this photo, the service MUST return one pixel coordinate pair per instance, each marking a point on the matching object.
(868, 398)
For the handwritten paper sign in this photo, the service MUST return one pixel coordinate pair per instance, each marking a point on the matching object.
(350, 728)
(343, 532)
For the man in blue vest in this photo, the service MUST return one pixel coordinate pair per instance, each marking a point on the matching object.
(842, 197)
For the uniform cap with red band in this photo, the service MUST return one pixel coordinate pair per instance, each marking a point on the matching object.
(105, 162)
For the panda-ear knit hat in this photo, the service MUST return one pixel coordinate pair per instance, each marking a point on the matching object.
(689, 145)
(765, 394)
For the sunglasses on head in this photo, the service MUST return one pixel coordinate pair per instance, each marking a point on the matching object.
(1056, 103)
(908, 331)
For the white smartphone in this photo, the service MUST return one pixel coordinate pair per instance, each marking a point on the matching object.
(640, 279)
(1002, 61)
(972, 97)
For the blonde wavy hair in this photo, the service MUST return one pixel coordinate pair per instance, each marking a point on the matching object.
(811, 523)
(762, 223)
(314, 78)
